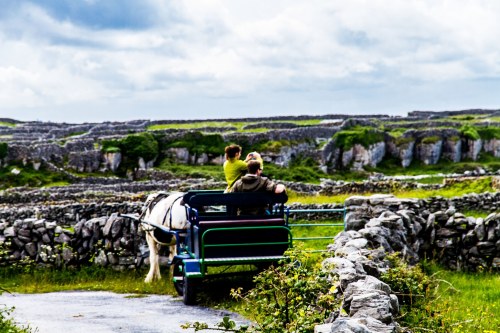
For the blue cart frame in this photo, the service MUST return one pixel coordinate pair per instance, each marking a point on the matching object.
(218, 235)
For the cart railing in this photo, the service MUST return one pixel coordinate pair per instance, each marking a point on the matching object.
(330, 225)
(204, 236)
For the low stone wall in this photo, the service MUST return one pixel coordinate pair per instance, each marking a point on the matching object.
(382, 224)
(73, 207)
(114, 242)
(443, 233)
(68, 215)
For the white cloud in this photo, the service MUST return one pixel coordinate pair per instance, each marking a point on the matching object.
(226, 49)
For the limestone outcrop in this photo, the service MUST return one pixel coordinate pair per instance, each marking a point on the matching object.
(406, 139)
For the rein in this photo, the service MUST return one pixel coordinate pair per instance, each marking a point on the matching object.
(169, 212)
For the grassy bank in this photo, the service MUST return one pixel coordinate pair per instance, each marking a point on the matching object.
(461, 303)
(473, 304)
(30, 280)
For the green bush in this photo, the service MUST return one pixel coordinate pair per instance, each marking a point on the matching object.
(132, 147)
(291, 297)
(8, 325)
(364, 136)
(397, 132)
(469, 132)
(140, 145)
(416, 293)
(112, 150)
(409, 283)
(198, 143)
(3, 149)
(108, 146)
(30, 177)
(270, 146)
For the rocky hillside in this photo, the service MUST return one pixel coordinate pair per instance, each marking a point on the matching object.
(332, 142)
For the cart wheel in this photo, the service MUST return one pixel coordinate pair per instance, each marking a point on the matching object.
(189, 291)
(178, 276)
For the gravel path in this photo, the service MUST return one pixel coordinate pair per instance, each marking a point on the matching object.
(103, 312)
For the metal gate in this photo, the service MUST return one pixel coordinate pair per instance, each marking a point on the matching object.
(326, 225)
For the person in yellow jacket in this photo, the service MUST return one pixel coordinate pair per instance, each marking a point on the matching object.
(234, 168)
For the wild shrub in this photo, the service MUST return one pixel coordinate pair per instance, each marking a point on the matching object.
(401, 140)
(29, 176)
(469, 132)
(132, 148)
(197, 143)
(140, 145)
(397, 132)
(270, 146)
(417, 293)
(7, 324)
(293, 296)
(364, 136)
(3, 150)
(410, 283)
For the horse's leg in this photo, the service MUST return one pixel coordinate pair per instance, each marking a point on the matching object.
(172, 253)
(154, 265)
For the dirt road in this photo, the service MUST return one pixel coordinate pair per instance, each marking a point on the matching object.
(104, 312)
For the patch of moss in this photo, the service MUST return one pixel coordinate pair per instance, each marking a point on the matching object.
(489, 132)
(453, 138)
(27, 176)
(401, 141)
(111, 149)
(270, 146)
(431, 139)
(7, 124)
(397, 132)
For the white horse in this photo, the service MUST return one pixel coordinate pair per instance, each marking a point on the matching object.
(168, 211)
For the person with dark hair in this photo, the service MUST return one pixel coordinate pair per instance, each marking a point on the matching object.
(254, 182)
(234, 168)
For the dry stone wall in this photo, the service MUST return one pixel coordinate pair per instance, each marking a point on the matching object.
(382, 224)
(443, 225)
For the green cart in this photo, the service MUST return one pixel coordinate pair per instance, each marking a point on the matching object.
(219, 235)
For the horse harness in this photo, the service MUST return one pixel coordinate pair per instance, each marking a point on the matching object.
(151, 204)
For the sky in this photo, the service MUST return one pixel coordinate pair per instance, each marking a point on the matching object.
(117, 60)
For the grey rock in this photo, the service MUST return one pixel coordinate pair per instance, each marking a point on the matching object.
(101, 259)
(9, 232)
(62, 239)
(372, 305)
(31, 249)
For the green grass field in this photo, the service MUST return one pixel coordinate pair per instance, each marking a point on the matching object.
(463, 303)
(473, 304)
